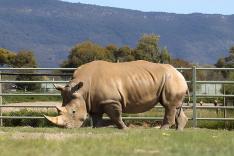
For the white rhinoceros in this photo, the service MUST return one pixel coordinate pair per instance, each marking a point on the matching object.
(102, 87)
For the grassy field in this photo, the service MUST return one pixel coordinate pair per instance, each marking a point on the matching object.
(26, 141)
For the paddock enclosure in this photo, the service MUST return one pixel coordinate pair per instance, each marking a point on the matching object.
(211, 97)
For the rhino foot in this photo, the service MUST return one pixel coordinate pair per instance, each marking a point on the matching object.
(165, 127)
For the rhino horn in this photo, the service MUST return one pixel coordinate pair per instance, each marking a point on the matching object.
(58, 120)
(58, 87)
(61, 110)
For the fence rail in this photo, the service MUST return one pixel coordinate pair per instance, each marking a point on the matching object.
(193, 82)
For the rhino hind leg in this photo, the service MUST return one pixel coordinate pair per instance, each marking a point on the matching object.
(114, 111)
(181, 120)
(173, 112)
(169, 117)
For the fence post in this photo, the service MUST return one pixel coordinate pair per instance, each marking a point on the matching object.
(0, 99)
(224, 102)
(194, 84)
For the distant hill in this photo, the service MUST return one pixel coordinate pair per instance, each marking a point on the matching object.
(51, 28)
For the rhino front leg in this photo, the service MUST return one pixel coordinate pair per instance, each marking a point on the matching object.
(181, 120)
(169, 117)
(114, 111)
(99, 122)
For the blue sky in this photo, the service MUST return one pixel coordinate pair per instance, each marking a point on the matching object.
(174, 6)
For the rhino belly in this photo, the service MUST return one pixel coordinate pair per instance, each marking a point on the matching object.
(140, 106)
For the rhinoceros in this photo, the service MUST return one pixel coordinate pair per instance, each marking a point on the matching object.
(102, 87)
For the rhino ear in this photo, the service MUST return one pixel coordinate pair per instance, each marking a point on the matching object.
(77, 87)
(58, 87)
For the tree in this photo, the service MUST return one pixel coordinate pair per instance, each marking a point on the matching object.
(231, 50)
(6, 57)
(21, 59)
(87, 52)
(112, 48)
(220, 63)
(147, 48)
(26, 59)
(165, 56)
(179, 63)
(124, 54)
(227, 62)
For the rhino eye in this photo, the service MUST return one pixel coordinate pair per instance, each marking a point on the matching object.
(73, 111)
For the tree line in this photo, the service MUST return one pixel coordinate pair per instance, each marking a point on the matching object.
(147, 49)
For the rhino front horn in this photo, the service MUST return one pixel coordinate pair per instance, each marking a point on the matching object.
(58, 120)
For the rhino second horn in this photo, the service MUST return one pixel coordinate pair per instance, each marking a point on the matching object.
(58, 87)
(58, 120)
(61, 110)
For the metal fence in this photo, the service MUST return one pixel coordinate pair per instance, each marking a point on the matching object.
(44, 72)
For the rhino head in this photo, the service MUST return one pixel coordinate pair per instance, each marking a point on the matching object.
(73, 111)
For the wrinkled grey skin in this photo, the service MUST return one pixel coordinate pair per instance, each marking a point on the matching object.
(114, 88)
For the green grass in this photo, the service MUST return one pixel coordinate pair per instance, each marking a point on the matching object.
(113, 142)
